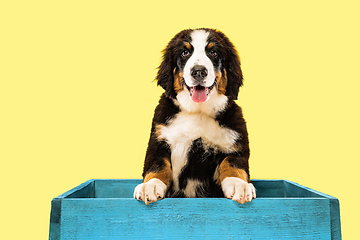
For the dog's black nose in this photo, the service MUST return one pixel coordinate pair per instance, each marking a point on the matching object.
(199, 72)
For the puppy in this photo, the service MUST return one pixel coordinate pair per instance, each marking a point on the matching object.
(198, 144)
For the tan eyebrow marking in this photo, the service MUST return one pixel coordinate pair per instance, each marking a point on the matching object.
(187, 45)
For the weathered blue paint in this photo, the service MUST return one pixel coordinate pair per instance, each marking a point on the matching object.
(105, 209)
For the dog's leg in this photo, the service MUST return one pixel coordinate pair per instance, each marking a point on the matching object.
(235, 181)
(155, 183)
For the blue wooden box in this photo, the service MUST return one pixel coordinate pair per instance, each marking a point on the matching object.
(106, 209)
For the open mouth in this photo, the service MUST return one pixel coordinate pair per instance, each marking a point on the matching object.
(199, 94)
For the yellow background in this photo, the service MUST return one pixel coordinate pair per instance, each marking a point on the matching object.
(77, 97)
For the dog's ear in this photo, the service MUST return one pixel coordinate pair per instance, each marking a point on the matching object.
(231, 63)
(167, 68)
(234, 75)
(165, 76)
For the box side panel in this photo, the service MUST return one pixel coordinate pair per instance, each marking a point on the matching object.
(335, 219)
(55, 218)
(295, 190)
(115, 188)
(269, 188)
(84, 190)
(195, 219)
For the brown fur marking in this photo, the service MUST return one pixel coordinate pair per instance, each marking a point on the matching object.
(158, 129)
(221, 82)
(178, 81)
(164, 174)
(227, 170)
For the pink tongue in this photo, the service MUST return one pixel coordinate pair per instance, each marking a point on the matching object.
(199, 94)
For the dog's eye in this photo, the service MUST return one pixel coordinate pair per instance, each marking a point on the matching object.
(185, 53)
(213, 53)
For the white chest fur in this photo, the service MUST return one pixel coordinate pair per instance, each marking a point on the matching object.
(186, 127)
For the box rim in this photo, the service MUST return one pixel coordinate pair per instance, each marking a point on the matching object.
(93, 181)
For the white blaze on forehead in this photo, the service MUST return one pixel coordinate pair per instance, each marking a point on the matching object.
(199, 57)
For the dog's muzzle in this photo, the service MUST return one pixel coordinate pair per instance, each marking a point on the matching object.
(198, 73)
(199, 92)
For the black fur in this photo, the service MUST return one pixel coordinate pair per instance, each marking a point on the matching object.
(157, 150)
(201, 166)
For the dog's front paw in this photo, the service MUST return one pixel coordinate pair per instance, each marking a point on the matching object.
(238, 190)
(150, 191)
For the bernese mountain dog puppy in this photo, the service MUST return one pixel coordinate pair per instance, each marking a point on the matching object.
(198, 144)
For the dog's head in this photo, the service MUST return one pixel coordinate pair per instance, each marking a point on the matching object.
(200, 62)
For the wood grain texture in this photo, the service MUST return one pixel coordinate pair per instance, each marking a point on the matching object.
(108, 211)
